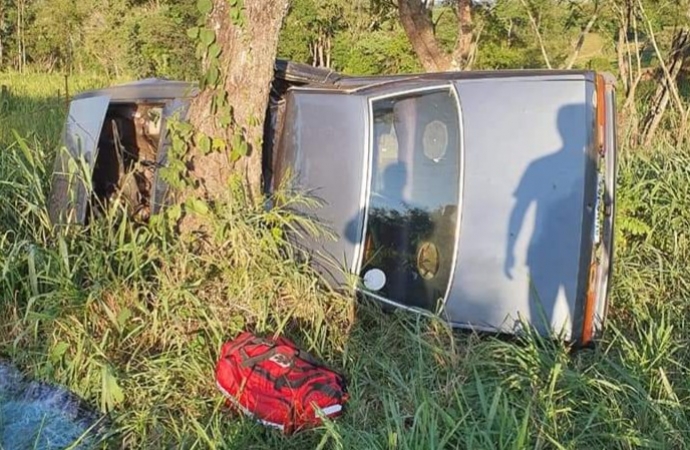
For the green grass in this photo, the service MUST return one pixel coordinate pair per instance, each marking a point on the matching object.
(132, 320)
(37, 104)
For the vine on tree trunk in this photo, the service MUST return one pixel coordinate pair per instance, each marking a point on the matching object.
(183, 136)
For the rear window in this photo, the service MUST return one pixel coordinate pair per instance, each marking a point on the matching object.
(414, 196)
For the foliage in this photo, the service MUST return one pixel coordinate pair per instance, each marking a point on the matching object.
(309, 22)
(132, 319)
(131, 38)
(361, 39)
(139, 38)
(377, 52)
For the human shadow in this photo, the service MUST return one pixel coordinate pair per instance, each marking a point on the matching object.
(554, 184)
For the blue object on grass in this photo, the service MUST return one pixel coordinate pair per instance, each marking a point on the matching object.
(39, 416)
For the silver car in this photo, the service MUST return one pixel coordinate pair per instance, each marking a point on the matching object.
(484, 197)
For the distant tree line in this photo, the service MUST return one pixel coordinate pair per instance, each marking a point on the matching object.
(116, 37)
(644, 42)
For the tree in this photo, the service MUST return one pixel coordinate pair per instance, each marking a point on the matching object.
(55, 29)
(417, 19)
(238, 44)
(310, 28)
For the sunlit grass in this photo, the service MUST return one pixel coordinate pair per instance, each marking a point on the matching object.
(132, 320)
(36, 104)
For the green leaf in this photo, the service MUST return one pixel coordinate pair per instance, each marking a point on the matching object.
(223, 100)
(178, 146)
(58, 351)
(207, 36)
(224, 120)
(111, 394)
(218, 144)
(200, 49)
(204, 6)
(277, 233)
(214, 51)
(204, 144)
(239, 145)
(213, 75)
(174, 213)
(124, 317)
(197, 206)
(193, 32)
(244, 148)
(186, 129)
(236, 140)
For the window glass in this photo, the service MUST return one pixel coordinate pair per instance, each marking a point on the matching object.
(413, 203)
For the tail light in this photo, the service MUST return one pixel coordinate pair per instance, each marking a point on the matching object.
(600, 142)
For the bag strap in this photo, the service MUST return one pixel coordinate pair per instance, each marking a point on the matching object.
(245, 339)
(254, 340)
(281, 382)
(248, 361)
(328, 390)
(308, 358)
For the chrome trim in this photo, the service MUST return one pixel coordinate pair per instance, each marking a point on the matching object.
(461, 193)
(364, 191)
(359, 255)
(413, 309)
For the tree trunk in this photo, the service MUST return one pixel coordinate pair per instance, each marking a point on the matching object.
(535, 27)
(416, 21)
(415, 17)
(19, 37)
(2, 27)
(623, 67)
(660, 100)
(463, 46)
(247, 64)
(581, 41)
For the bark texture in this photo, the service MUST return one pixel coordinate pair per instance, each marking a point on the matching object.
(247, 64)
(416, 19)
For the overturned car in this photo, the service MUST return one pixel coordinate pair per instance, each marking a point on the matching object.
(484, 197)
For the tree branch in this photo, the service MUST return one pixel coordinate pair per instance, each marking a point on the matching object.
(420, 31)
(581, 38)
(535, 26)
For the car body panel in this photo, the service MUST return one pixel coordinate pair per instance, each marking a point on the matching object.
(150, 90)
(69, 202)
(80, 137)
(527, 150)
(522, 190)
(325, 163)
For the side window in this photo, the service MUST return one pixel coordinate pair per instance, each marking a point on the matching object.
(414, 197)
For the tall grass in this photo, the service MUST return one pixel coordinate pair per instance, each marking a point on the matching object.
(132, 319)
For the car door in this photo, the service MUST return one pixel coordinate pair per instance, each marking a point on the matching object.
(414, 196)
(75, 161)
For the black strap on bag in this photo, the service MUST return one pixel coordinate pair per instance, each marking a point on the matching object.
(248, 361)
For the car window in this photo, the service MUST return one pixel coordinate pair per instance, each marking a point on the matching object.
(414, 194)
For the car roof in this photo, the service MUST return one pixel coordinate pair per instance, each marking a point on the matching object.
(146, 90)
(324, 78)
